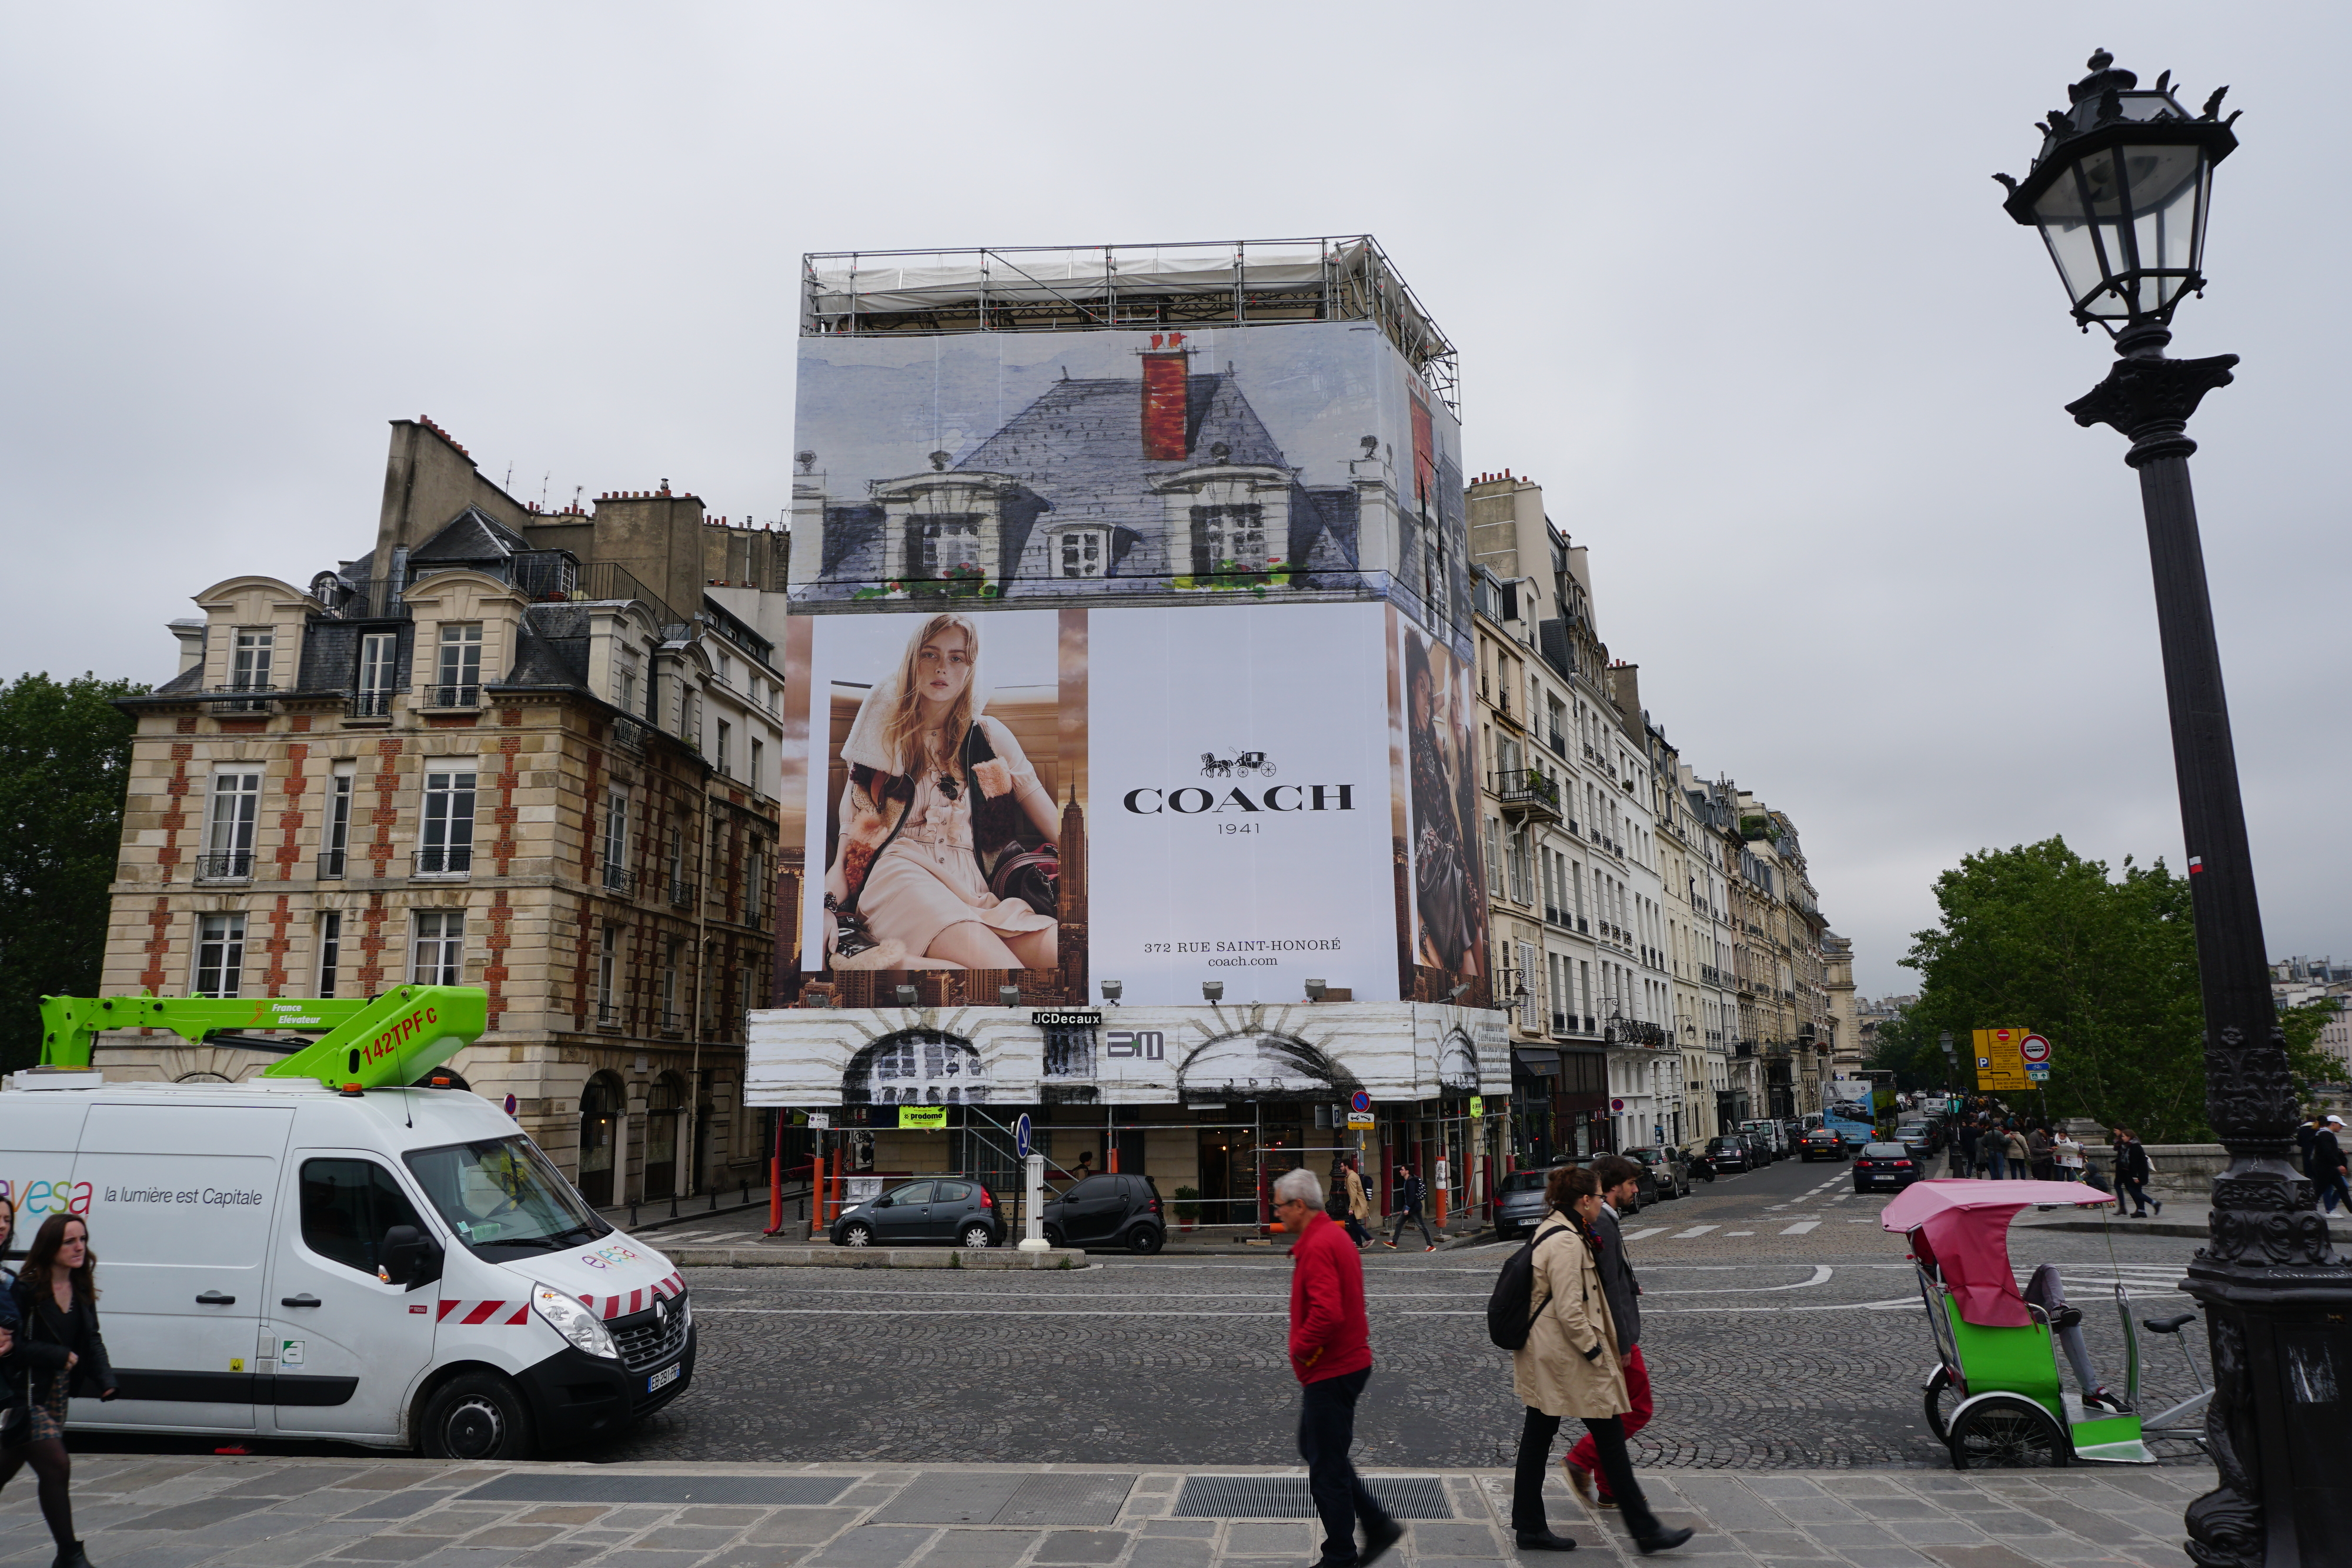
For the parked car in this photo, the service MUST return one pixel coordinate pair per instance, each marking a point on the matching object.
(1670, 1165)
(1917, 1138)
(1885, 1164)
(1110, 1209)
(1759, 1145)
(1518, 1203)
(1732, 1152)
(1821, 1144)
(1775, 1140)
(958, 1210)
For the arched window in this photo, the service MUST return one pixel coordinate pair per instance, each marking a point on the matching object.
(600, 1125)
(918, 1067)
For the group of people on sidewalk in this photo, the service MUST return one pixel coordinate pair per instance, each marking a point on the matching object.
(1581, 1360)
(2002, 1148)
(50, 1351)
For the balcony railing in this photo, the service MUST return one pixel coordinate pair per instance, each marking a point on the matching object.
(331, 864)
(445, 860)
(618, 879)
(452, 696)
(1527, 792)
(681, 894)
(241, 697)
(226, 865)
(361, 599)
(369, 704)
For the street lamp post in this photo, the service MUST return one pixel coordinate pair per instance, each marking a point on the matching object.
(2119, 191)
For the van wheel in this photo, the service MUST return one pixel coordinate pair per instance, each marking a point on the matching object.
(475, 1416)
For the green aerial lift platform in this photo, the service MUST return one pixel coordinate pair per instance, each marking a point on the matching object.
(383, 1042)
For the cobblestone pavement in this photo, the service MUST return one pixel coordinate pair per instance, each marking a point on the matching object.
(268, 1513)
(1770, 1349)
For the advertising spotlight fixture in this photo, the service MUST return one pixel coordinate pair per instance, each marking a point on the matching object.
(1112, 991)
(906, 996)
(1213, 990)
(1315, 990)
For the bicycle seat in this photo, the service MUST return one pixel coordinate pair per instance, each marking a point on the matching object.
(2168, 1325)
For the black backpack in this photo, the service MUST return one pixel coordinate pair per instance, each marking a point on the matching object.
(1510, 1314)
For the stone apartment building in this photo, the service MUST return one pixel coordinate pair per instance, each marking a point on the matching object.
(528, 751)
(1651, 926)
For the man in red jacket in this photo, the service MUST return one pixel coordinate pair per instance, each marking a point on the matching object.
(1331, 1352)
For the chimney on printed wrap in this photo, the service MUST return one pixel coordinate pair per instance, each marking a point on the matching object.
(1166, 372)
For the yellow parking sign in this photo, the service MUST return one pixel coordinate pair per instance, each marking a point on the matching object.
(2000, 1065)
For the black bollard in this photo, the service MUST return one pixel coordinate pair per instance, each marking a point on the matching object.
(673, 1204)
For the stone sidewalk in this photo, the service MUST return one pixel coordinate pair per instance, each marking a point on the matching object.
(256, 1512)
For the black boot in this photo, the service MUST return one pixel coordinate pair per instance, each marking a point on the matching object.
(1664, 1541)
(1543, 1541)
(71, 1557)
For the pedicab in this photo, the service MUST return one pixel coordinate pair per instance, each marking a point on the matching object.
(1994, 1397)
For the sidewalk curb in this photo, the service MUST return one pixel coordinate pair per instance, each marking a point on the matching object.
(872, 1257)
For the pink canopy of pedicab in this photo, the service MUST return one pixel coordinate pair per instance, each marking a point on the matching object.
(1965, 1226)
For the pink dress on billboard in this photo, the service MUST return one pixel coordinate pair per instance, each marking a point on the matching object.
(929, 879)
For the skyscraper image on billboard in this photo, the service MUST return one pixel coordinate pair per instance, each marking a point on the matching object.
(1266, 463)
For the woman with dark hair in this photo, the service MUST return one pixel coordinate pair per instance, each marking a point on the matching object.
(1571, 1365)
(57, 1297)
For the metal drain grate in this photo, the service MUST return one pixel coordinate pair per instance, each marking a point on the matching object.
(1287, 1497)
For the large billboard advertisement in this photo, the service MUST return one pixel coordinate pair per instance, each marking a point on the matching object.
(1244, 793)
(1268, 462)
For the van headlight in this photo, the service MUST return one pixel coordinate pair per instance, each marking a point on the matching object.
(569, 1317)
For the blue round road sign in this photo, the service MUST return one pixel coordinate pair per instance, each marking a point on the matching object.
(1359, 1101)
(1020, 1134)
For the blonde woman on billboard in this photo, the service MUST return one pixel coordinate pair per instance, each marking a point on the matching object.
(947, 851)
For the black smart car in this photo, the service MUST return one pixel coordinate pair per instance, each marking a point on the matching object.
(957, 1210)
(1112, 1210)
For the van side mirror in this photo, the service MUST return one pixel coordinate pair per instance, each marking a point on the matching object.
(410, 1257)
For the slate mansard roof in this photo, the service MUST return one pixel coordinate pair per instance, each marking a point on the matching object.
(1075, 455)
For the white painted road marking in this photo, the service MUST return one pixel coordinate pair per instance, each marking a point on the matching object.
(1652, 1230)
(1800, 1228)
(1694, 1230)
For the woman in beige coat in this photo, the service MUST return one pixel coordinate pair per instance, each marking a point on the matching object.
(1571, 1366)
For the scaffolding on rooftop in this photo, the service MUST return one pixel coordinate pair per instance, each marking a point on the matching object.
(1093, 288)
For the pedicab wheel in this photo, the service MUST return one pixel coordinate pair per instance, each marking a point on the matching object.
(1942, 1400)
(2005, 1432)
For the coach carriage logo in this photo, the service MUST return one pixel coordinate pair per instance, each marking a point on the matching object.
(1244, 763)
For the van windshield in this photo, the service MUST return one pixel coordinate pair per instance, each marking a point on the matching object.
(503, 1197)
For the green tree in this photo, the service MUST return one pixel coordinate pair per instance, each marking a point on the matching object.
(64, 756)
(2038, 937)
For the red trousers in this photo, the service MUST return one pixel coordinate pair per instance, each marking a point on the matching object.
(1586, 1455)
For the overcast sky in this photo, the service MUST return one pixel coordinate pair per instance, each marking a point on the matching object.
(1731, 282)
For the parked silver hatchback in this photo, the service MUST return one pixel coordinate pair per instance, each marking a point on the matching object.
(1518, 1203)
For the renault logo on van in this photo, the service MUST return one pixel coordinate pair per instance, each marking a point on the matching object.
(661, 1312)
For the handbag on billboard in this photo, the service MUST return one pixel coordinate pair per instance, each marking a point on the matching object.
(849, 941)
(1026, 866)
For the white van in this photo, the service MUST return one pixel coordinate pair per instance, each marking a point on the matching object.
(401, 1267)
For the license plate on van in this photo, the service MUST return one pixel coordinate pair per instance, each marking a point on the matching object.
(663, 1378)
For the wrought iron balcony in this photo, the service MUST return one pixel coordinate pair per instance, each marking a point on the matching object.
(226, 865)
(445, 860)
(452, 696)
(681, 893)
(239, 697)
(618, 879)
(1530, 794)
(369, 704)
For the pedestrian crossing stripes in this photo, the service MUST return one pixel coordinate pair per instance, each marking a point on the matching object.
(1652, 1230)
(1694, 1230)
(1800, 1228)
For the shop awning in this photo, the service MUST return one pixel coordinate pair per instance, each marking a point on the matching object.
(1534, 1061)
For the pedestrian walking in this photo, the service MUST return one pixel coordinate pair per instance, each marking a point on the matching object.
(58, 1353)
(2132, 1173)
(2303, 1138)
(1412, 1192)
(1993, 1145)
(1967, 1142)
(1571, 1366)
(1359, 1205)
(1331, 1354)
(2021, 1153)
(2037, 1147)
(2327, 1163)
(1621, 1183)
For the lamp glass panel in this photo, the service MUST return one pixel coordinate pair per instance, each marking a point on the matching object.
(2168, 188)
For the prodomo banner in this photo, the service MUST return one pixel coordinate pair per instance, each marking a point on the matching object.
(1247, 794)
